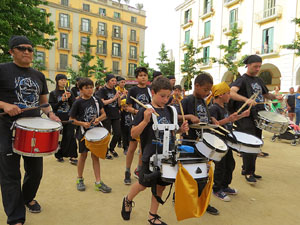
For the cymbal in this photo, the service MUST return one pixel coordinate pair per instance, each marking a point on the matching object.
(203, 126)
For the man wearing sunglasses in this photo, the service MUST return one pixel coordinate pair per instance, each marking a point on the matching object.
(20, 87)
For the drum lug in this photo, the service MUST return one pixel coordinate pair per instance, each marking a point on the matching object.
(13, 133)
(60, 137)
(36, 150)
(33, 142)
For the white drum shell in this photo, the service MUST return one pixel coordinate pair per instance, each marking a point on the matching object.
(272, 122)
(244, 140)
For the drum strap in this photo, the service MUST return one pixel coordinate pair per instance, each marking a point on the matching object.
(154, 192)
(149, 92)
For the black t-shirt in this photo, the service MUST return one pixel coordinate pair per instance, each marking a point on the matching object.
(197, 107)
(126, 119)
(75, 91)
(148, 135)
(21, 87)
(291, 100)
(247, 87)
(112, 109)
(220, 113)
(60, 108)
(141, 94)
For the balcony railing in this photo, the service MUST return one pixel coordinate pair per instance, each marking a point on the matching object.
(101, 33)
(227, 28)
(82, 49)
(62, 67)
(101, 51)
(207, 12)
(67, 26)
(116, 55)
(206, 64)
(206, 38)
(117, 37)
(267, 51)
(133, 40)
(85, 29)
(269, 14)
(229, 3)
(64, 46)
(187, 24)
(132, 57)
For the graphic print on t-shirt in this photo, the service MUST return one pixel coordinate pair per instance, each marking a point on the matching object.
(110, 96)
(128, 120)
(27, 91)
(64, 107)
(257, 89)
(143, 99)
(90, 113)
(202, 114)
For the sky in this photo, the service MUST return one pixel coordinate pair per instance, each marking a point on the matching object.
(162, 27)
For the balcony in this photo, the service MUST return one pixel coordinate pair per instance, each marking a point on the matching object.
(229, 3)
(207, 38)
(133, 57)
(82, 49)
(101, 33)
(114, 55)
(102, 52)
(116, 36)
(207, 12)
(227, 28)
(63, 46)
(65, 26)
(187, 23)
(205, 65)
(62, 67)
(267, 15)
(268, 51)
(133, 40)
(86, 29)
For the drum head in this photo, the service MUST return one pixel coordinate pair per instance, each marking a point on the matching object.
(96, 134)
(247, 138)
(38, 123)
(272, 116)
(214, 141)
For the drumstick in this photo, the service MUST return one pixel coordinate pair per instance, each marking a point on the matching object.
(28, 109)
(182, 113)
(222, 128)
(243, 106)
(218, 132)
(141, 104)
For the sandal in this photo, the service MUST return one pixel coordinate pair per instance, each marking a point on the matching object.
(155, 217)
(126, 203)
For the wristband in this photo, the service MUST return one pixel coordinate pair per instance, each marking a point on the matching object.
(48, 113)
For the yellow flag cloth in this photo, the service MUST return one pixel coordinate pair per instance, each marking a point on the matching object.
(98, 148)
(218, 89)
(187, 202)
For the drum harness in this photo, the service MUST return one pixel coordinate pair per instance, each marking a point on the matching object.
(166, 154)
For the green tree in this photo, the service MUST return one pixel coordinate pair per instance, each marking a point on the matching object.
(85, 69)
(165, 65)
(144, 64)
(296, 44)
(190, 64)
(100, 72)
(22, 17)
(234, 46)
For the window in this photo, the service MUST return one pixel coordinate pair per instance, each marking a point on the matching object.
(233, 17)
(269, 8)
(102, 29)
(116, 31)
(63, 40)
(85, 25)
(102, 12)
(131, 69)
(101, 47)
(84, 41)
(207, 6)
(233, 57)
(117, 15)
(133, 19)
(86, 7)
(116, 67)
(187, 37)
(206, 29)
(64, 20)
(267, 40)
(133, 35)
(63, 61)
(206, 55)
(133, 52)
(116, 49)
(64, 2)
(187, 16)
(40, 57)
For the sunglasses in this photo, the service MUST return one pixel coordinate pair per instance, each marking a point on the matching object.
(23, 49)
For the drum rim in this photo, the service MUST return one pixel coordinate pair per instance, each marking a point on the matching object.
(96, 140)
(212, 147)
(40, 154)
(195, 160)
(247, 144)
(22, 127)
(263, 117)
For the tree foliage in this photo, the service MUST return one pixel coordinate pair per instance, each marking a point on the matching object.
(144, 64)
(100, 72)
(234, 46)
(23, 17)
(296, 44)
(165, 65)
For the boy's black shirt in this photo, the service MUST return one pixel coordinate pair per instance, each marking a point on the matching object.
(220, 113)
(126, 119)
(75, 91)
(141, 94)
(112, 109)
(148, 135)
(60, 108)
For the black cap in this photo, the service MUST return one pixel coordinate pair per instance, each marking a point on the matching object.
(60, 76)
(18, 40)
(109, 77)
(252, 59)
(156, 74)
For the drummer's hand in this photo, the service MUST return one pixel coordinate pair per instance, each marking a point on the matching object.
(246, 113)
(86, 125)
(147, 114)
(66, 95)
(11, 109)
(251, 102)
(96, 122)
(52, 116)
(214, 121)
(233, 117)
(184, 127)
(195, 119)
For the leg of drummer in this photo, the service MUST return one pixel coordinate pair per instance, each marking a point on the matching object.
(219, 176)
(154, 206)
(81, 163)
(249, 161)
(129, 157)
(96, 167)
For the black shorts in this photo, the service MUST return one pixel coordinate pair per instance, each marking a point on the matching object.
(82, 147)
(292, 110)
(145, 170)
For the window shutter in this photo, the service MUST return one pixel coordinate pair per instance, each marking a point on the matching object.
(264, 37)
(271, 39)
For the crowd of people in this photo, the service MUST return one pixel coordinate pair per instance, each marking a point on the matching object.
(114, 108)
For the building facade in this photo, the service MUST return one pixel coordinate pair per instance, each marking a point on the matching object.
(265, 26)
(116, 30)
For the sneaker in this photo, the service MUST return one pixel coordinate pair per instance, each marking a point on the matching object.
(60, 160)
(125, 151)
(212, 210)
(230, 191)
(127, 179)
(73, 161)
(136, 173)
(263, 154)
(126, 204)
(102, 187)
(114, 153)
(250, 179)
(294, 143)
(80, 184)
(257, 176)
(222, 195)
(273, 138)
(35, 208)
(108, 156)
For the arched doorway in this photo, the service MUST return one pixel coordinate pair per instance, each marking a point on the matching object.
(271, 75)
(228, 77)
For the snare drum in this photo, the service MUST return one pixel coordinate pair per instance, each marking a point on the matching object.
(212, 147)
(36, 136)
(96, 140)
(246, 143)
(272, 122)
